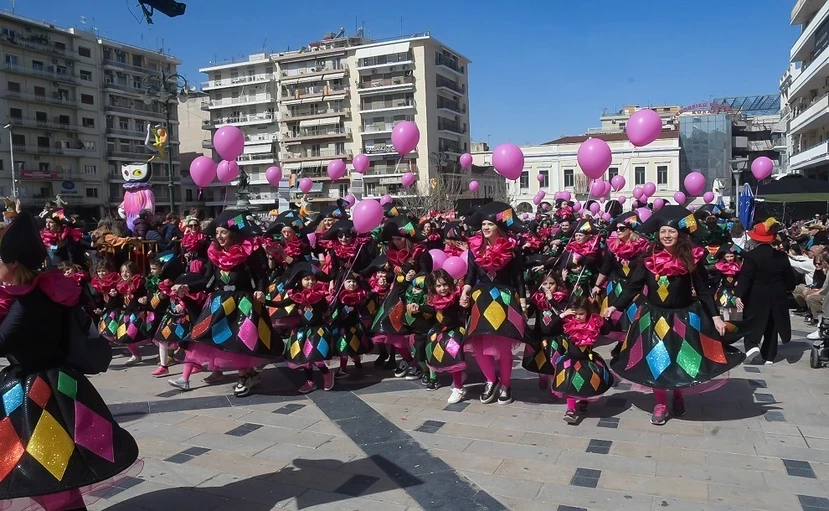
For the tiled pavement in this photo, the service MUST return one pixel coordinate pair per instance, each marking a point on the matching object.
(759, 442)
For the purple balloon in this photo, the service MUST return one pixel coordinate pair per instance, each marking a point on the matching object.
(540, 177)
(607, 188)
(606, 217)
(508, 160)
(229, 142)
(649, 188)
(643, 127)
(638, 192)
(597, 189)
(438, 258)
(680, 198)
(622, 199)
(455, 266)
(336, 169)
(203, 171)
(692, 208)
(537, 199)
(305, 184)
(408, 179)
(576, 206)
(695, 183)
(404, 137)
(473, 186)
(466, 160)
(273, 175)
(367, 215)
(360, 163)
(227, 171)
(350, 199)
(386, 199)
(594, 157)
(708, 197)
(643, 213)
(566, 195)
(594, 207)
(617, 182)
(557, 196)
(658, 203)
(762, 168)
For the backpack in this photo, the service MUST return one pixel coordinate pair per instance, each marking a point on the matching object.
(87, 351)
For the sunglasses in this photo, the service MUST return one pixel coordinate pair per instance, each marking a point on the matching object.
(343, 235)
(192, 225)
(622, 228)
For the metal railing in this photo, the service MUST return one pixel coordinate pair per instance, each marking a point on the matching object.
(441, 60)
(241, 119)
(55, 150)
(311, 155)
(386, 82)
(255, 157)
(367, 106)
(124, 87)
(136, 110)
(35, 123)
(317, 134)
(241, 100)
(449, 84)
(328, 68)
(292, 115)
(37, 98)
(39, 46)
(42, 73)
(450, 105)
(239, 80)
(131, 67)
(126, 133)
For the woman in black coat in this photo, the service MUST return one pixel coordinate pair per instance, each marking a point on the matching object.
(766, 279)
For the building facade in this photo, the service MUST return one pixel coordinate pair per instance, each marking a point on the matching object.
(616, 122)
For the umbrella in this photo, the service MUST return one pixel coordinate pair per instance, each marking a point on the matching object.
(746, 206)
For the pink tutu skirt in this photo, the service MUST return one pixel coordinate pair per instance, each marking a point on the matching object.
(401, 342)
(214, 359)
(493, 345)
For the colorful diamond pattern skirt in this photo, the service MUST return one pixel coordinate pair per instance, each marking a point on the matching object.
(389, 320)
(309, 346)
(173, 329)
(541, 356)
(351, 339)
(496, 311)
(132, 326)
(444, 349)
(108, 325)
(581, 373)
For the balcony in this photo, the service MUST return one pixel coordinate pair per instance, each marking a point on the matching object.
(261, 138)
(53, 150)
(386, 170)
(398, 83)
(813, 115)
(241, 100)
(239, 80)
(316, 94)
(302, 135)
(805, 43)
(135, 69)
(124, 88)
(803, 10)
(137, 111)
(135, 154)
(393, 62)
(326, 154)
(289, 116)
(255, 158)
(812, 75)
(43, 125)
(451, 108)
(382, 150)
(50, 74)
(299, 75)
(54, 99)
(809, 157)
(242, 120)
(141, 135)
(377, 128)
(447, 63)
(448, 86)
(386, 106)
(38, 44)
(452, 128)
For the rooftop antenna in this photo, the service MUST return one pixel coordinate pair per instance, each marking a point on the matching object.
(12, 2)
(264, 43)
(401, 26)
(83, 20)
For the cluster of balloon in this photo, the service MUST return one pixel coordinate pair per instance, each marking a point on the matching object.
(508, 161)
(600, 189)
(762, 168)
(229, 142)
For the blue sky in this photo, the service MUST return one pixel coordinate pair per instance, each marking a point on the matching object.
(540, 68)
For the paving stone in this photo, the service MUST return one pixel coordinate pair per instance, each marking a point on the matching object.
(456, 407)
(757, 498)
(607, 463)
(507, 486)
(609, 422)
(810, 503)
(523, 452)
(711, 473)
(599, 446)
(243, 429)
(289, 409)
(668, 487)
(430, 427)
(586, 477)
(593, 499)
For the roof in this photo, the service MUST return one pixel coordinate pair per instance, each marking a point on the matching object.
(752, 105)
(607, 137)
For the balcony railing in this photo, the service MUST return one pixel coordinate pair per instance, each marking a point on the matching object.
(449, 84)
(369, 106)
(454, 107)
(379, 149)
(311, 134)
(315, 155)
(809, 69)
(386, 82)
(441, 60)
(454, 128)
(42, 73)
(239, 80)
(36, 45)
(55, 150)
(252, 157)
(55, 99)
(124, 87)
(138, 69)
(379, 170)
(136, 110)
(313, 70)
(34, 123)
(260, 138)
(378, 128)
(385, 60)
(252, 118)
(241, 100)
(815, 152)
(126, 133)
(289, 115)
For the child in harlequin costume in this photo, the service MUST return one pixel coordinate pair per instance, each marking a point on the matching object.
(286, 246)
(347, 320)
(131, 316)
(59, 440)
(581, 258)
(310, 344)
(622, 255)
(164, 269)
(727, 271)
(431, 234)
(107, 299)
(543, 348)
(580, 372)
(677, 338)
(182, 309)
(419, 324)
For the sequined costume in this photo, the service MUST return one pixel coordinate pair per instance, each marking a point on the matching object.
(581, 372)
(351, 338)
(620, 259)
(132, 316)
(445, 340)
(544, 344)
(726, 283)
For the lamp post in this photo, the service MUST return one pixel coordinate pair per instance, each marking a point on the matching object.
(11, 152)
(167, 89)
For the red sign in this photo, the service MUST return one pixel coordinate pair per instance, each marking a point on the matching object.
(38, 174)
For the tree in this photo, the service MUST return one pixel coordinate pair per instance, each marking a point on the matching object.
(440, 194)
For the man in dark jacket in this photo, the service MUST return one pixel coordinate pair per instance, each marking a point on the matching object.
(763, 288)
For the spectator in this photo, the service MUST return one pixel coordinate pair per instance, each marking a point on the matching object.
(169, 231)
(817, 235)
(142, 223)
(738, 233)
(814, 297)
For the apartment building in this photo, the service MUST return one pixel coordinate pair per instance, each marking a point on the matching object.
(615, 122)
(339, 97)
(804, 90)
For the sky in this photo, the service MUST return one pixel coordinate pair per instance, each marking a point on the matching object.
(540, 68)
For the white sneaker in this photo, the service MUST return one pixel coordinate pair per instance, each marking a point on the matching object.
(133, 360)
(769, 363)
(456, 396)
(751, 355)
(815, 336)
(180, 384)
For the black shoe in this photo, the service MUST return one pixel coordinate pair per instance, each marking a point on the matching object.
(414, 373)
(341, 373)
(433, 385)
(358, 364)
(401, 370)
(488, 394)
(390, 365)
(570, 417)
(504, 396)
(581, 407)
(425, 379)
(381, 360)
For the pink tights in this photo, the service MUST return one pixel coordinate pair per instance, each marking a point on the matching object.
(487, 365)
(661, 396)
(457, 380)
(133, 349)
(189, 367)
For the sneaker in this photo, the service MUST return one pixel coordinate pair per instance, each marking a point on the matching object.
(309, 386)
(814, 336)
(328, 381)
(456, 396)
(752, 355)
(381, 360)
(341, 373)
(133, 360)
(581, 407)
(504, 396)
(425, 379)
(679, 405)
(660, 415)
(488, 395)
(402, 369)
(769, 363)
(570, 417)
(160, 371)
(433, 385)
(180, 384)
(246, 385)
(414, 373)
(214, 378)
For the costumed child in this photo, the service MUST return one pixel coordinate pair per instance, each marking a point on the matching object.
(727, 271)
(106, 299)
(131, 316)
(543, 349)
(348, 320)
(580, 372)
(194, 244)
(419, 324)
(581, 258)
(164, 268)
(182, 310)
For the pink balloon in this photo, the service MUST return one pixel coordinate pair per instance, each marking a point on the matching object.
(350, 199)
(229, 142)
(649, 188)
(312, 239)
(643, 127)
(602, 199)
(658, 203)
(566, 195)
(557, 196)
(762, 168)
(597, 189)
(680, 198)
(438, 258)
(273, 175)
(594, 207)
(466, 160)
(465, 255)
(622, 199)
(540, 177)
(367, 215)
(708, 197)
(617, 182)
(455, 266)
(360, 163)
(594, 157)
(336, 169)
(537, 199)
(643, 213)
(606, 217)
(203, 171)
(607, 188)
(408, 179)
(576, 206)
(695, 183)
(692, 208)
(404, 137)
(227, 171)
(386, 199)
(473, 186)
(305, 184)
(508, 160)
(638, 192)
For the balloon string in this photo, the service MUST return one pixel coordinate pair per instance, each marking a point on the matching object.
(224, 205)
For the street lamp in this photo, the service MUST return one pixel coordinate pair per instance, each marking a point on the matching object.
(11, 152)
(167, 89)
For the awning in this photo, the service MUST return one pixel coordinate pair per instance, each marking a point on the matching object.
(386, 49)
(334, 76)
(292, 166)
(305, 79)
(795, 189)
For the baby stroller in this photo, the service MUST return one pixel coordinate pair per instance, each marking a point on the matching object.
(820, 349)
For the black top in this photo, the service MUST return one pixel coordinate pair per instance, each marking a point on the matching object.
(26, 340)
(613, 268)
(510, 275)
(248, 276)
(453, 316)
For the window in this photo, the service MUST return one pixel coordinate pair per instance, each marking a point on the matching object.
(612, 172)
(525, 180)
(41, 116)
(90, 170)
(139, 126)
(15, 113)
(43, 167)
(87, 99)
(11, 59)
(86, 75)
(662, 175)
(136, 60)
(89, 146)
(14, 87)
(123, 124)
(83, 51)
(92, 193)
(43, 141)
(18, 139)
(545, 182)
(569, 178)
(639, 175)
(60, 46)
(88, 122)
(40, 91)
(188, 195)
(371, 188)
(63, 119)
(37, 65)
